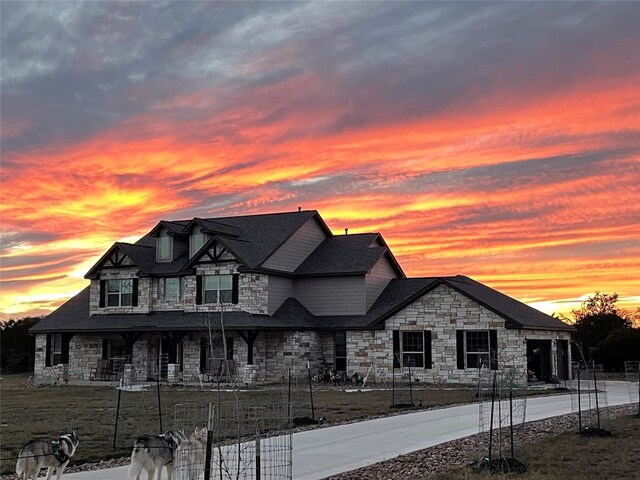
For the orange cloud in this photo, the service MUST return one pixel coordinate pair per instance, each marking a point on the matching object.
(520, 234)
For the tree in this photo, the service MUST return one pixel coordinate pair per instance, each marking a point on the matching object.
(17, 347)
(604, 332)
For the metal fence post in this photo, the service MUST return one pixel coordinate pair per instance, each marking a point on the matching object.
(207, 461)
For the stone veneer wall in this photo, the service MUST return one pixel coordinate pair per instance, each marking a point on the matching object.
(144, 292)
(276, 352)
(252, 292)
(443, 311)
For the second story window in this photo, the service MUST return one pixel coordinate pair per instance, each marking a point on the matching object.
(163, 249)
(218, 288)
(171, 289)
(120, 292)
(197, 242)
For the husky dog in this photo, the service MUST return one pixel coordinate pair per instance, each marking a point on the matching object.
(36, 454)
(190, 456)
(151, 453)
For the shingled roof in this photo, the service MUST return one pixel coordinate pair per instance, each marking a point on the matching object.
(346, 254)
(403, 291)
(251, 238)
(74, 316)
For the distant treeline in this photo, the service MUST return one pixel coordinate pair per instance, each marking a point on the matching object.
(17, 347)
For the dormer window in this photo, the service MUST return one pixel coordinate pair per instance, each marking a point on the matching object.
(197, 242)
(120, 292)
(163, 249)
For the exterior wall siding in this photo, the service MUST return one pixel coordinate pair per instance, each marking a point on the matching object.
(332, 295)
(297, 248)
(280, 288)
(376, 281)
(443, 311)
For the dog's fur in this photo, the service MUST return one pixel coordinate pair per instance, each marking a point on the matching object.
(36, 454)
(151, 453)
(190, 456)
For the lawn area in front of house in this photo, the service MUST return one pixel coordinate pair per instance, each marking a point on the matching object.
(43, 412)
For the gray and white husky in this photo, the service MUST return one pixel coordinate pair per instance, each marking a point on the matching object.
(36, 454)
(151, 453)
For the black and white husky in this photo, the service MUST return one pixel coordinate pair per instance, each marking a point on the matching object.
(151, 453)
(36, 454)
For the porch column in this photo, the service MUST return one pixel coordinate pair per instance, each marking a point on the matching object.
(130, 338)
(249, 338)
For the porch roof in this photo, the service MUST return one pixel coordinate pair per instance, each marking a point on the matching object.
(74, 316)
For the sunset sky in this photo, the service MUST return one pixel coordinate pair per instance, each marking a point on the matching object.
(495, 140)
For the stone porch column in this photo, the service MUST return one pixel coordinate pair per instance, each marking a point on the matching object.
(250, 374)
(173, 373)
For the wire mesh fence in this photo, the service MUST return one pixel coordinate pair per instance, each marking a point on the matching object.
(239, 442)
(499, 415)
(589, 400)
(632, 376)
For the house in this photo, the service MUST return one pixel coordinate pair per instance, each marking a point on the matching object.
(286, 291)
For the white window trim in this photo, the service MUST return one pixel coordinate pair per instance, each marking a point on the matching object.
(54, 351)
(468, 352)
(192, 249)
(119, 293)
(403, 351)
(163, 289)
(218, 290)
(170, 255)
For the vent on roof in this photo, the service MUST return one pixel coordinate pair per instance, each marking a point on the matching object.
(299, 209)
(346, 231)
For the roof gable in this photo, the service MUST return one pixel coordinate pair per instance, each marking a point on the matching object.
(348, 254)
(125, 255)
(404, 291)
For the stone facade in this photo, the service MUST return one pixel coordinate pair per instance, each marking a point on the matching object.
(144, 292)
(443, 311)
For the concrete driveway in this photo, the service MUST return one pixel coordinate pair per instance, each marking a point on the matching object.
(323, 452)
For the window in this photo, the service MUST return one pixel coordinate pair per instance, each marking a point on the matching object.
(56, 348)
(412, 349)
(340, 351)
(218, 288)
(198, 240)
(120, 292)
(171, 289)
(477, 349)
(163, 250)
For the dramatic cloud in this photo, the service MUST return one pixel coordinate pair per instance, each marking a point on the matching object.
(497, 140)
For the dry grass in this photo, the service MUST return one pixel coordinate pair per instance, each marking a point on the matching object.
(29, 412)
(569, 456)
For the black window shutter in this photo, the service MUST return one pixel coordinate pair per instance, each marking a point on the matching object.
(234, 291)
(103, 292)
(493, 349)
(105, 348)
(229, 348)
(198, 289)
(134, 296)
(47, 349)
(203, 354)
(396, 348)
(66, 338)
(427, 349)
(460, 348)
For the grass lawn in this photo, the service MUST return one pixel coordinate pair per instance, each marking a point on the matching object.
(569, 456)
(28, 412)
